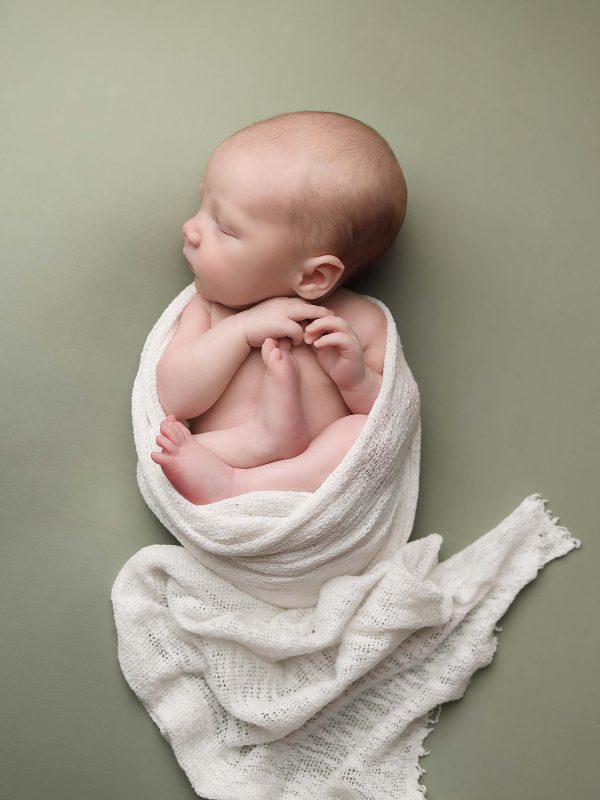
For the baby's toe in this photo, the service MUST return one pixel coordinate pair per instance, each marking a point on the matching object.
(166, 444)
(167, 424)
(174, 430)
(273, 357)
(267, 348)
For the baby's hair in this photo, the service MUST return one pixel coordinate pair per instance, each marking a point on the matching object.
(351, 198)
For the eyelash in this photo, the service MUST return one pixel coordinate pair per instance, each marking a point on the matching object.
(233, 236)
(224, 231)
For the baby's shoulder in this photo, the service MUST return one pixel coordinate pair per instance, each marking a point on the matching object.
(347, 297)
(194, 320)
(362, 314)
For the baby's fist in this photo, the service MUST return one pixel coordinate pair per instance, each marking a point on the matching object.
(338, 350)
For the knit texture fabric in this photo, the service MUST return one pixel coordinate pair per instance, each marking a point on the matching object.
(297, 645)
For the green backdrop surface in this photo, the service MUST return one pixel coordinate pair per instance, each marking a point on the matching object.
(110, 111)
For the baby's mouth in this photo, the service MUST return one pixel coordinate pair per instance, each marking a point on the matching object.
(189, 265)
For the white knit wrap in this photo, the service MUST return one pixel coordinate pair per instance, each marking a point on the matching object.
(297, 645)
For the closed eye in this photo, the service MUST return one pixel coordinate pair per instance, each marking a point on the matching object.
(227, 233)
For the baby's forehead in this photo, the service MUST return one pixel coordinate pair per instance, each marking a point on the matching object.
(264, 176)
(265, 161)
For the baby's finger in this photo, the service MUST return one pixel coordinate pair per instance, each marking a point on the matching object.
(333, 340)
(328, 321)
(310, 311)
(318, 326)
(295, 332)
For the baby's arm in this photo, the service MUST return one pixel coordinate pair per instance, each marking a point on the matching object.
(361, 397)
(354, 364)
(189, 378)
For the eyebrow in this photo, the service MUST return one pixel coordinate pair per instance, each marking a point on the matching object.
(236, 228)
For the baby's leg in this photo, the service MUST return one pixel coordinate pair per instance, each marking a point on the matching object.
(307, 471)
(202, 477)
(279, 428)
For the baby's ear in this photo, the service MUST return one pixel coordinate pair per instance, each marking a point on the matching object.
(317, 276)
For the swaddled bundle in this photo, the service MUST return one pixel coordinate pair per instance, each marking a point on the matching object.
(297, 645)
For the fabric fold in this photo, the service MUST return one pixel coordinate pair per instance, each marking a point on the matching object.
(297, 645)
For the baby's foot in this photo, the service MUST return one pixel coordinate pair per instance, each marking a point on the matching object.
(279, 413)
(194, 470)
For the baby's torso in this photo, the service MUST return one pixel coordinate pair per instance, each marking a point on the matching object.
(320, 397)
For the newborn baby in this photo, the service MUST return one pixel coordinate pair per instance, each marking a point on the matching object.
(273, 384)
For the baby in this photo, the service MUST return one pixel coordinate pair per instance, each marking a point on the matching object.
(273, 384)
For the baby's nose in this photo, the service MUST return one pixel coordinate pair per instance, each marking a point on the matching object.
(190, 233)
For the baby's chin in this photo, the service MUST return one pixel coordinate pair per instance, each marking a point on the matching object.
(237, 308)
(222, 301)
(244, 306)
(226, 302)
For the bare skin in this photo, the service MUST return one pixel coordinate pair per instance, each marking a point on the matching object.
(278, 430)
(277, 453)
(278, 419)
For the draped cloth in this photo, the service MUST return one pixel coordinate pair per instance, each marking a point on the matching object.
(297, 645)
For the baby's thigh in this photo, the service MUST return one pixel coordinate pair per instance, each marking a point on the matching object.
(327, 449)
(307, 471)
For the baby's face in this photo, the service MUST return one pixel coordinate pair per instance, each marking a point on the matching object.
(238, 245)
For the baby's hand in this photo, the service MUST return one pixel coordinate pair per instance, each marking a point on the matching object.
(278, 317)
(338, 350)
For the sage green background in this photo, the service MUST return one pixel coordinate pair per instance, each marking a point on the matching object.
(109, 112)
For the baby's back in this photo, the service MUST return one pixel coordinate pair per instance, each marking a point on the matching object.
(321, 400)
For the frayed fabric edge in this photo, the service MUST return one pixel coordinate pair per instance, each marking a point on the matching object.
(559, 541)
(429, 723)
(560, 537)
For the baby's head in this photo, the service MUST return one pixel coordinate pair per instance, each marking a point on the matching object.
(294, 205)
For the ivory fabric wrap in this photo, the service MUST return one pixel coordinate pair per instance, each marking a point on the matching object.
(298, 646)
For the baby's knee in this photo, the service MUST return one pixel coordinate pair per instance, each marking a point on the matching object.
(326, 451)
(352, 424)
(340, 435)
